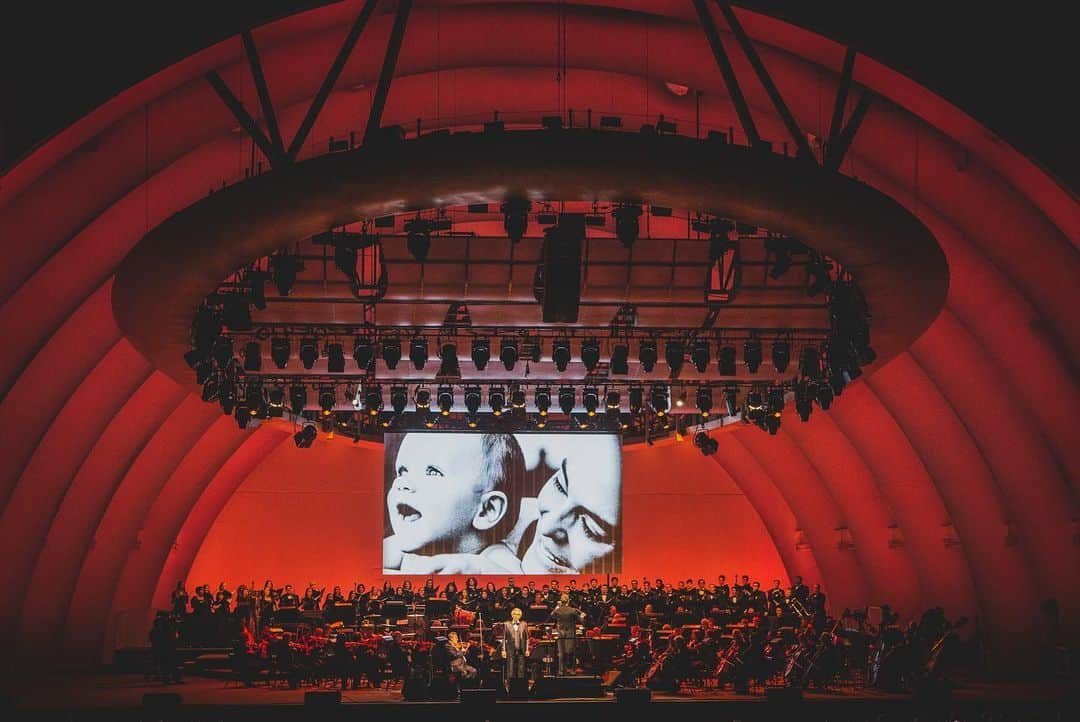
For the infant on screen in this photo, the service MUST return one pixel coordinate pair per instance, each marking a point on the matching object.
(452, 495)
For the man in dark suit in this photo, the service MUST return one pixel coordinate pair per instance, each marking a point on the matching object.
(515, 645)
(566, 621)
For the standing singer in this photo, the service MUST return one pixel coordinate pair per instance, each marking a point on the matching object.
(515, 645)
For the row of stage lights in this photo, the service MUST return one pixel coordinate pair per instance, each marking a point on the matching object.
(366, 350)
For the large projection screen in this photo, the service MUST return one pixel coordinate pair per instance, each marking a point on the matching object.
(485, 503)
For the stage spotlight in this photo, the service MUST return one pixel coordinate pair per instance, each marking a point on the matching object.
(297, 398)
(423, 399)
(418, 352)
(335, 358)
(448, 362)
(704, 400)
(508, 353)
(399, 398)
(210, 389)
(776, 399)
(391, 353)
(620, 359)
(804, 402)
(681, 400)
(515, 218)
(658, 399)
(590, 399)
(227, 398)
(373, 401)
(624, 421)
(517, 397)
(647, 355)
(731, 400)
(418, 238)
(445, 398)
(772, 423)
(327, 399)
(481, 353)
(430, 421)
(279, 351)
(705, 443)
(203, 371)
(276, 397)
(472, 399)
(542, 399)
(613, 400)
(566, 399)
(627, 225)
(590, 353)
(283, 269)
(309, 351)
(810, 363)
(306, 436)
(541, 422)
(700, 356)
(637, 399)
(252, 356)
(497, 399)
(823, 394)
(781, 356)
(560, 353)
(364, 353)
(223, 350)
(726, 361)
(472, 421)
(242, 415)
(674, 354)
(386, 420)
(582, 422)
(752, 354)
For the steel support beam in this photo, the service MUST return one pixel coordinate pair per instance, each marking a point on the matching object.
(837, 123)
(766, 80)
(834, 155)
(728, 72)
(393, 47)
(245, 119)
(264, 94)
(331, 78)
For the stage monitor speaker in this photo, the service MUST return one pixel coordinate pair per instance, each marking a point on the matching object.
(441, 688)
(162, 700)
(561, 269)
(518, 688)
(479, 697)
(578, 686)
(785, 695)
(633, 695)
(323, 698)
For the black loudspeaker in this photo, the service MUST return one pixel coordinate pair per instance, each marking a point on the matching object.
(786, 695)
(573, 686)
(162, 700)
(441, 688)
(414, 688)
(518, 688)
(322, 699)
(633, 695)
(479, 697)
(561, 269)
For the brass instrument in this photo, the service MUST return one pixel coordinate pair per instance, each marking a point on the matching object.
(798, 608)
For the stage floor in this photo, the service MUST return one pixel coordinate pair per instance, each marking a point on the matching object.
(117, 696)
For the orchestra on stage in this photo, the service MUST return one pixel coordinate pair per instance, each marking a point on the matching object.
(667, 637)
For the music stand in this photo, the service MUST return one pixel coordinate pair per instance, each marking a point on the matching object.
(437, 607)
(393, 610)
(537, 614)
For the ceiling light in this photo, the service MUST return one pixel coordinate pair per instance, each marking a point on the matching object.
(309, 351)
(566, 399)
(560, 353)
(335, 358)
(481, 353)
(418, 352)
(647, 355)
(280, 351)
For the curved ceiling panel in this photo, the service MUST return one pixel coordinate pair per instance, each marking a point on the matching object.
(954, 469)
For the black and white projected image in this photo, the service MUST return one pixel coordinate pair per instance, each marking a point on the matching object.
(483, 503)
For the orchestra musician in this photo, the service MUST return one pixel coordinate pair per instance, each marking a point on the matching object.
(456, 648)
(288, 599)
(515, 645)
(566, 620)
